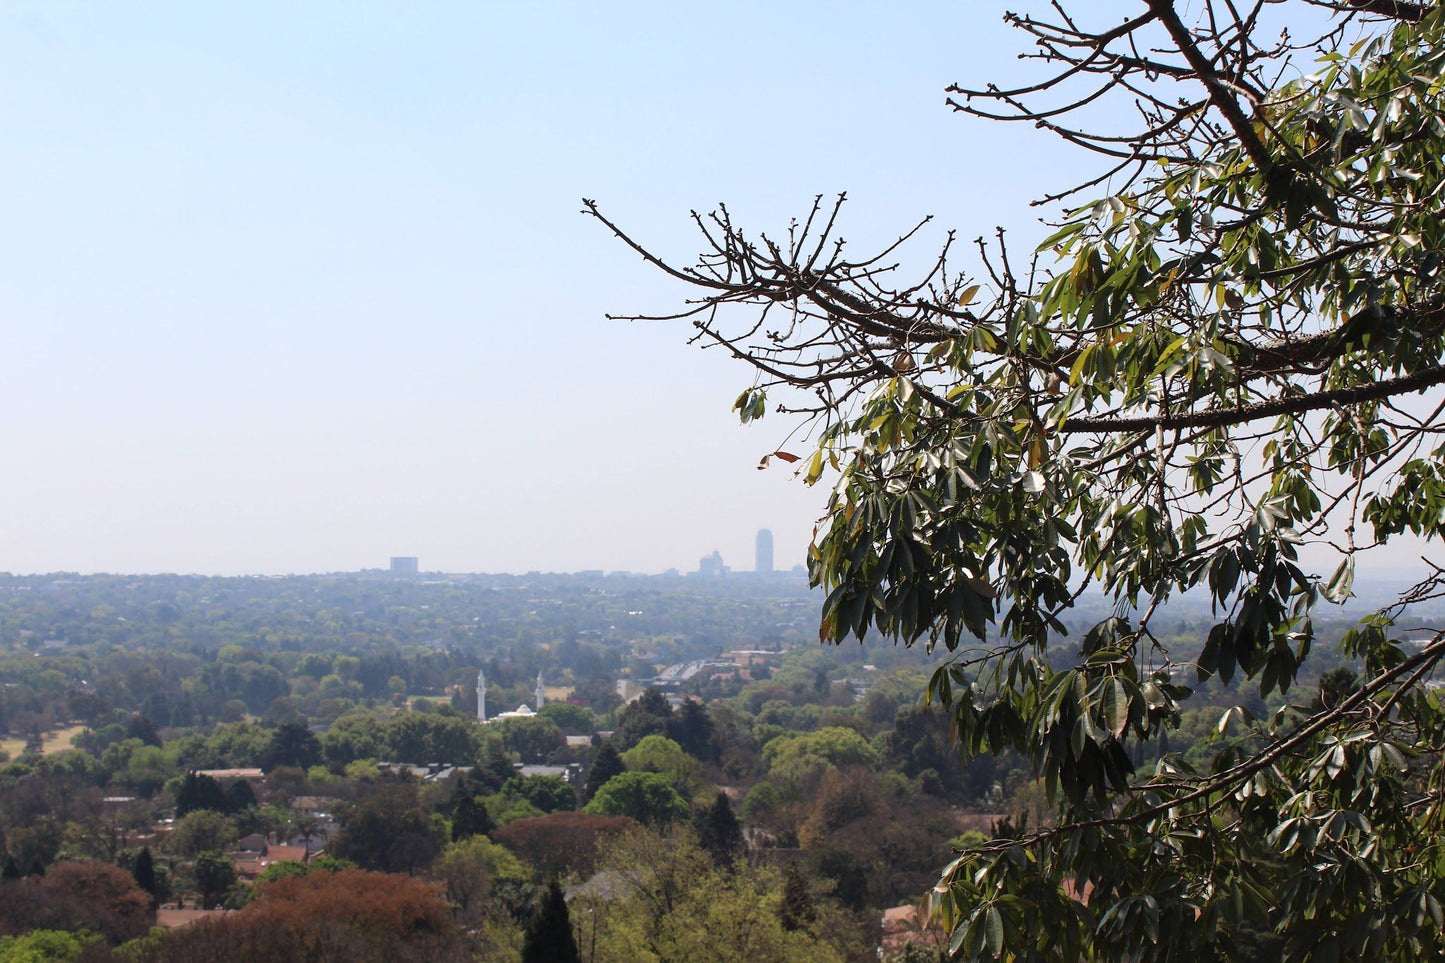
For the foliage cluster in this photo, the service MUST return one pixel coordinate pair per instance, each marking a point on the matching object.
(1219, 377)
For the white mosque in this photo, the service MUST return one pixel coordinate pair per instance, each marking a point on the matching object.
(522, 711)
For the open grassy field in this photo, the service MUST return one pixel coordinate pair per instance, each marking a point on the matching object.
(50, 741)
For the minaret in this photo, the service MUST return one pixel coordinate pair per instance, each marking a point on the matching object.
(481, 696)
(540, 697)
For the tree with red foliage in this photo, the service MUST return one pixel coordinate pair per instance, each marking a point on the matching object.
(381, 905)
(561, 842)
(93, 896)
(354, 915)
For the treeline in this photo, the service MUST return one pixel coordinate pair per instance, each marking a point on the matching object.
(792, 803)
(646, 819)
(188, 651)
(361, 612)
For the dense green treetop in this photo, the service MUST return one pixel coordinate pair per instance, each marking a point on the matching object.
(647, 797)
(660, 754)
(549, 794)
(796, 758)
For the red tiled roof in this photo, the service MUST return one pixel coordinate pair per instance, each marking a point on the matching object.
(902, 925)
(249, 869)
(899, 917)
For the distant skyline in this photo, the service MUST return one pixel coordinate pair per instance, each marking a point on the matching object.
(412, 565)
(292, 288)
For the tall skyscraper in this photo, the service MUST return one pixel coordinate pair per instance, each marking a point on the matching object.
(764, 559)
(481, 696)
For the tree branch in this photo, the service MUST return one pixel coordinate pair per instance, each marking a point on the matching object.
(1219, 93)
(1293, 405)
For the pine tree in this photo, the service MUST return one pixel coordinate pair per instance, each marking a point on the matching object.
(141, 727)
(11, 871)
(292, 744)
(471, 818)
(495, 769)
(200, 792)
(796, 911)
(607, 764)
(240, 797)
(692, 729)
(648, 715)
(144, 872)
(549, 936)
(215, 875)
(718, 830)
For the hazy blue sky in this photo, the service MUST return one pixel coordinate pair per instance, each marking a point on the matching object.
(297, 287)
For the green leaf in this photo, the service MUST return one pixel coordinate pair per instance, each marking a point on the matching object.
(1116, 707)
(815, 468)
(1340, 584)
(1068, 230)
(993, 931)
(1229, 717)
(751, 405)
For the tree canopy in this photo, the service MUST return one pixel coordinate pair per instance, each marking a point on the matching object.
(1220, 374)
(663, 755)
(387, 832)
(667, 900)
(647, 797)
(349, 914)
(799, 757)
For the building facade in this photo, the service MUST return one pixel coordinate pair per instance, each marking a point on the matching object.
(763, 561)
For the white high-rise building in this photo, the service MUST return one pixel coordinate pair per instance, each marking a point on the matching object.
(481, 696)
(541, 698)
(763, 560)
